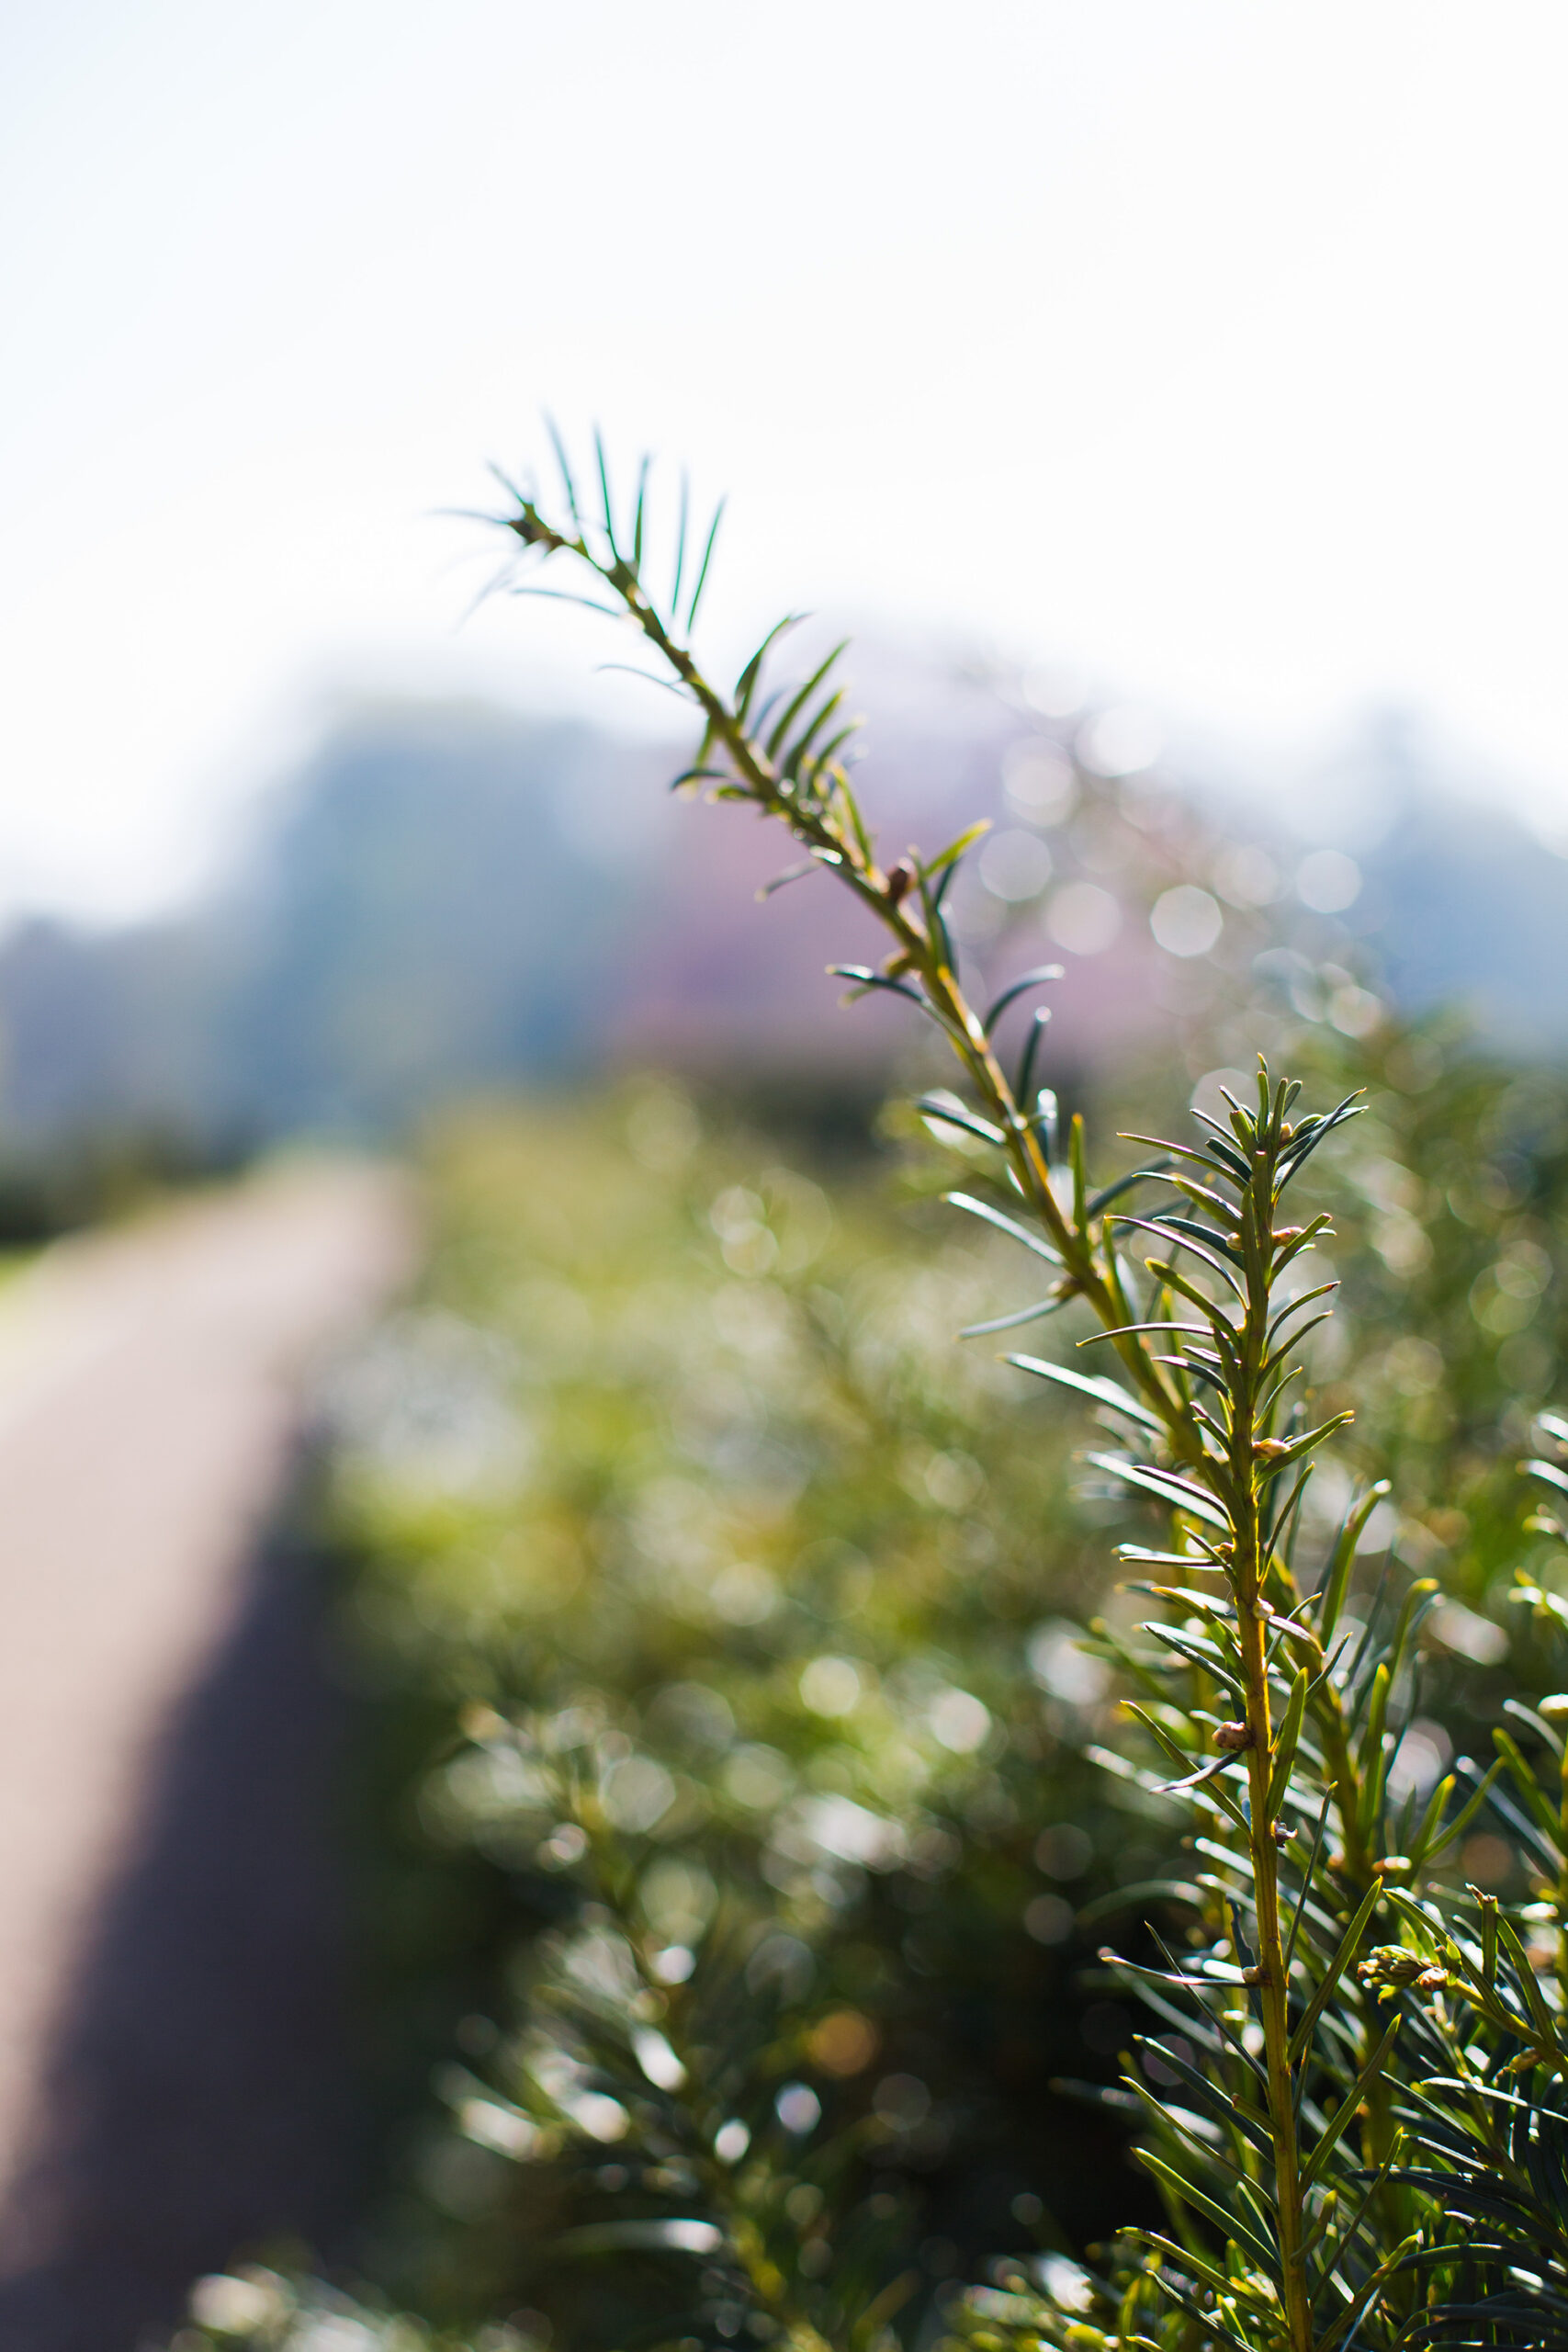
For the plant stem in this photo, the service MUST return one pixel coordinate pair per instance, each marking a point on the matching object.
(1236, 1465)
(1272, 1992)
(918, 948)
(1248, 1569)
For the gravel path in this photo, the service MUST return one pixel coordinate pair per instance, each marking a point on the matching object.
(165, 1877)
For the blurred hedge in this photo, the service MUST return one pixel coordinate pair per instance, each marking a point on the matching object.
(679, 1438)
(677, 1441)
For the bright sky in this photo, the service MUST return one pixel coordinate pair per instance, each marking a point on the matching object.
(1219, 345)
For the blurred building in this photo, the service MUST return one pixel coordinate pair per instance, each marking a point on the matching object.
(453, 899)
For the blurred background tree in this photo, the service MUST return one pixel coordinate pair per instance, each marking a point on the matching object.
(450, 898)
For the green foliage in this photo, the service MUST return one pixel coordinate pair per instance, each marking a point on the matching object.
(1347, 2099)
(696, 1469)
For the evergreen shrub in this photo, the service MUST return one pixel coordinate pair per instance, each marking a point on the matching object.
(778, 2058)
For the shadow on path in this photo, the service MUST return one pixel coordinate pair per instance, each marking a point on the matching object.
(200, 2096)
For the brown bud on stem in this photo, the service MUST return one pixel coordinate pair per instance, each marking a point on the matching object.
(900, 881)
(1233, 1737)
